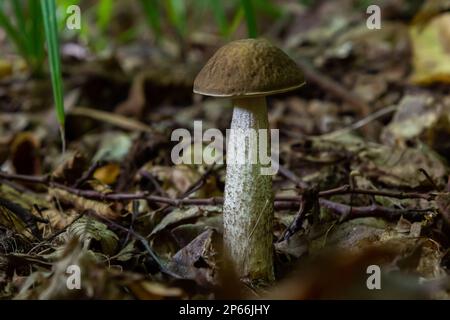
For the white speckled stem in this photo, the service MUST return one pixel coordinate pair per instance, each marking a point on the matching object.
(248, 203)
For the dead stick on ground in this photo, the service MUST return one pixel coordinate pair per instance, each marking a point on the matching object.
(95, 195)
(281, 202)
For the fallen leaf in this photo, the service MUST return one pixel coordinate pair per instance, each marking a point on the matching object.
(25, 155)
(197, 261)
(71, 169)
(87, 229)
(107, 174)
(431, 49)
(83, 204)
(113, 147)
(182, 215)
(146, 290)
(6, 68)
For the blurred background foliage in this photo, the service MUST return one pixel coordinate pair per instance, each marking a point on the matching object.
(106, 23)
(128, 75)
(183, 32)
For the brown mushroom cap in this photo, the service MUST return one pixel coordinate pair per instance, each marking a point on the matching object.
(248, 67)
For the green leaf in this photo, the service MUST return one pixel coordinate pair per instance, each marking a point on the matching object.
(250, 18)
(176, 10)
(269, 8)
(23, 25)
(51, 33)
(219, 15)
(19, 15)
(11, 31)
(151, 10)
(104, 13)
(235, 22)
(35, 36)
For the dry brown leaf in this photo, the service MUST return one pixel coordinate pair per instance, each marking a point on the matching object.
(25, 155)
(83, 204)
(57, 220)
(197, 261)
(135, 102)
(71, 168)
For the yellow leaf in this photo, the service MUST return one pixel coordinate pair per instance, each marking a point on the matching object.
(431, 50)
(107, 174)
(5, 68)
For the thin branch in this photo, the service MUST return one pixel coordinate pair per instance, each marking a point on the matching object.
(147, 175)
(199, 183)
(346, 189)
(425, 173)
(358, 124)
(88, 174)
(281, 202)
(288, 174)
(24, 178)
(350, 212)
(119, 196)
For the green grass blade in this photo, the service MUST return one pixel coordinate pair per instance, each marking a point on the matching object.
(269, 8)
(26, 32)
(51, 33)
(306, 3)
(35, 35)
(19, 8)
(235, 22)
(151, 10)
(11, 31)
(104, 13)
(250, 18)
(219, 15)
(176, 11)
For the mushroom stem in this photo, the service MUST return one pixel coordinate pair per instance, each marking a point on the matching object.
(248, 203)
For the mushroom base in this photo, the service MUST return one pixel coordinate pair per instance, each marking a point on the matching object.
(248, 203)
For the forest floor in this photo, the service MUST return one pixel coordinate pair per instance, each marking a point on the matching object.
(363, 179)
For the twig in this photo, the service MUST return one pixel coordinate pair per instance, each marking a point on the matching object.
(123, 196)
(425, 173)
(296, 224)
(57, 233)
(346, 189)
(134, 214)
(199, 183)
(280, 202)
(147, 175)
(88, 174)
(112, 118)
(358, 124)
(24, 178)
(285, 172)
(370, 211)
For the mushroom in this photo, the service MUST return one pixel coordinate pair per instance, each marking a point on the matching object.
(247, 71)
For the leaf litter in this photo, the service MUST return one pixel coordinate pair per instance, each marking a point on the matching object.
(119, 144)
